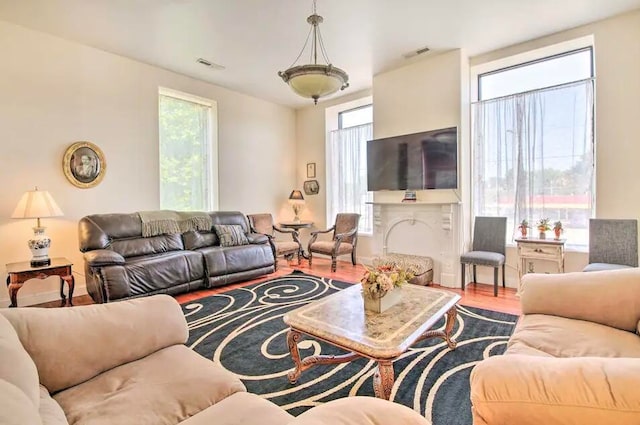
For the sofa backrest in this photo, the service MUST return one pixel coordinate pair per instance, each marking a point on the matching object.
(72, 345)
(122, 233)
(230, 217)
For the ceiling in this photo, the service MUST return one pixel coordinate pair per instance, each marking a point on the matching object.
(254, 39)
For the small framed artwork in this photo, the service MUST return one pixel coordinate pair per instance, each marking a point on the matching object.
(84, 165)
(311, 187)
(311, 170)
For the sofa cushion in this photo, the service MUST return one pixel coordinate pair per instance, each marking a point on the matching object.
(87, 340)
(195, 240)
(561, 337)
(241, 408)
(231, 235)
(16, 408)
(165, 387)
(326, 247)
(152, 272)
(221, 261)
(135, 247)
(598, 267)
(50, 411)
(16, 367)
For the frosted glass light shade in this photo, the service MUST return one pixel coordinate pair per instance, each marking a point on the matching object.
(36, 204)
(315, 81)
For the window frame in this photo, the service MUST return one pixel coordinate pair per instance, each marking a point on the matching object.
(528, 57)
(213, 169)
(357, 108)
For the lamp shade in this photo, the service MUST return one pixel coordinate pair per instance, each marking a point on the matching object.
(296, 195)
(36, 204)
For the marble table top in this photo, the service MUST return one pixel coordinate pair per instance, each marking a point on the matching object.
(341, 320)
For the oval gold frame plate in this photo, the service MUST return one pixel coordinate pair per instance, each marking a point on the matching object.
(84, 165)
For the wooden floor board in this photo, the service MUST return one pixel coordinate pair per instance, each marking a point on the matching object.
(476, 295)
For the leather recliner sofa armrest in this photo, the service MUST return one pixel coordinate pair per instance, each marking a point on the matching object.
(103, 257)
(360, 411)
(529, 390)
(257, 238)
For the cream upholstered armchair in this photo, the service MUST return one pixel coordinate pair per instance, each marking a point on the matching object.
(263, 223)
(344, 240)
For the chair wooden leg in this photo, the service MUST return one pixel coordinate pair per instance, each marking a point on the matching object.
(462, 274)
(310, 258)
(299, 256)
(504, 284)
(334, 263)
(353, 256)
(495, 281)
(475, 276)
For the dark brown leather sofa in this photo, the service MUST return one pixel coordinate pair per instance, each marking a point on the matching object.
(120, 263)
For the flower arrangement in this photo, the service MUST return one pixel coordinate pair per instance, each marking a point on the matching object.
(558, 229)
(543, 224)
(382, 278)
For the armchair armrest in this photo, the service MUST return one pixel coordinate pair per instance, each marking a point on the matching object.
(258, 238)
(611, 297)
(529, 390)
(103, 257)
(98, 337)
(295, 234)
(360, 411)
(341, 236)
(314, 235)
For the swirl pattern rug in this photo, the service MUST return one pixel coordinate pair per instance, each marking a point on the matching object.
(242, 329)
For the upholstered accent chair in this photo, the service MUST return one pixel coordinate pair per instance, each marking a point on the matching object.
(613, 244)
(344, 240)
(489, 235)
(263, 223)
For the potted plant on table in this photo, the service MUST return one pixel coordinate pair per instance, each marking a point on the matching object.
(523, 226)
(558, 229)
(543, 226)
(381, 285)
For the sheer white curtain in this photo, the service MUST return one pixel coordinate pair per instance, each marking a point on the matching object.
(533, 158)
(348, 174)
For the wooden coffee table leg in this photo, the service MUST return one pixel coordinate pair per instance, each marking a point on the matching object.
(383, 379)
(292, 341)
(448, 330)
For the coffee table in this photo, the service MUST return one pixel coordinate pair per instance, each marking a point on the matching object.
(340, 320)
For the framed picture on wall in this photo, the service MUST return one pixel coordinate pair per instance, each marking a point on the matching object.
(84, 164)
(311, 187)
(311, 170)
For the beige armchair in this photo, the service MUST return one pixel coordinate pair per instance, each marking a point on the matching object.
(343, 241)
(263, 223)
(574, 357)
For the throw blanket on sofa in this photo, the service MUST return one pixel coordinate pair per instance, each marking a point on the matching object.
(166, 222)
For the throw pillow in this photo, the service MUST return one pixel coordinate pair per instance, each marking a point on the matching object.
(231, 234)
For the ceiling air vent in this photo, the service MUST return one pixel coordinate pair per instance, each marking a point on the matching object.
(209, 64)
(416, 52)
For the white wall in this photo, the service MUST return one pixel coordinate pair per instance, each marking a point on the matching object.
(55, 92)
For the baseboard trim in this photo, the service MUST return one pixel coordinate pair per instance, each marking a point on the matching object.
(41, 297)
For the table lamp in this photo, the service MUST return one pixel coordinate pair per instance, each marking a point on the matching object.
(38, 204)
(297, 203)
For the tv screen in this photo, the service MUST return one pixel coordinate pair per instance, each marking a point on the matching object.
(427, 160)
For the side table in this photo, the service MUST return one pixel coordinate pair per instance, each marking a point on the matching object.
(19, 273)
(539, 249)
(297, 225)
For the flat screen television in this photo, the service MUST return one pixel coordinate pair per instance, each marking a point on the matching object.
(427, 160)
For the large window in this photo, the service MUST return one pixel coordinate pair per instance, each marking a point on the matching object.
(348, 166)
(187, 155)
(533, 144)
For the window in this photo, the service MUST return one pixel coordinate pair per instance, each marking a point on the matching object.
(348, 166)
(188, 160)
(533, 144)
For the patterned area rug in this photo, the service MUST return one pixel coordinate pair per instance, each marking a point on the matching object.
(243, 330)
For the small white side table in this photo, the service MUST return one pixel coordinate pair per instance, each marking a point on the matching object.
(539, 249)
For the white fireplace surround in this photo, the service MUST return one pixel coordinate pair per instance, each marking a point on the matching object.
(421, 228)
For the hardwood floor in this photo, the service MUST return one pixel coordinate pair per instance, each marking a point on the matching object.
(476, 295)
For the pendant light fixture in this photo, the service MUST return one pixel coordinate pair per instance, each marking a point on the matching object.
(315, 80)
